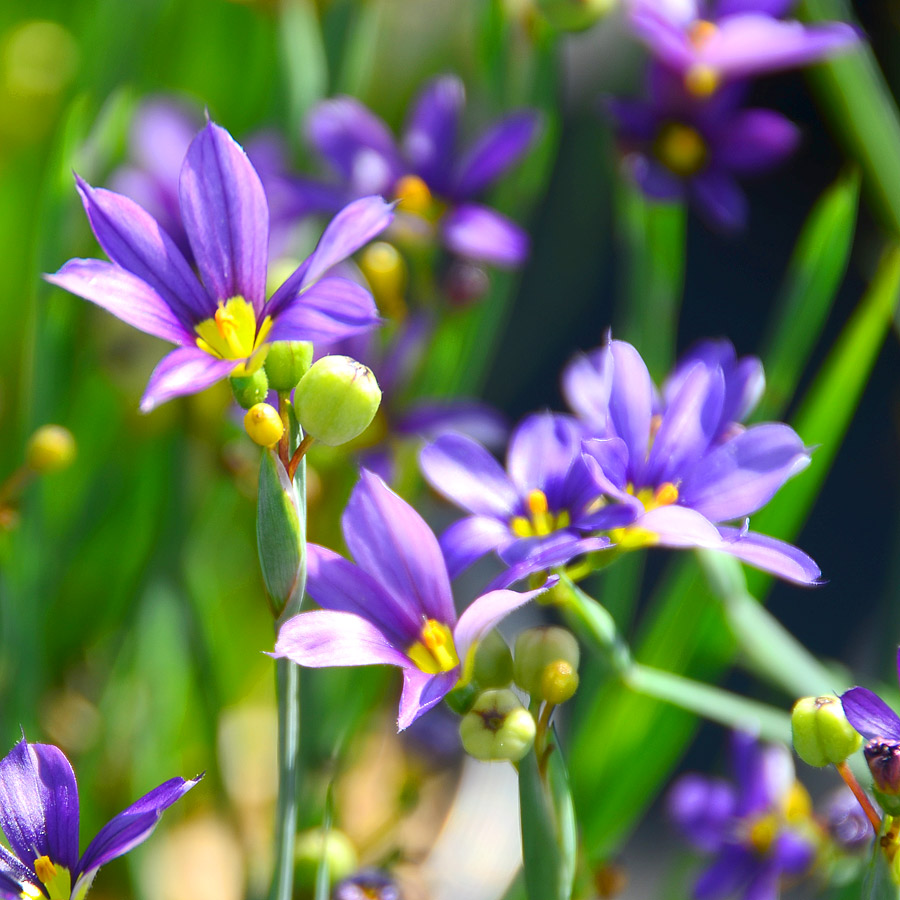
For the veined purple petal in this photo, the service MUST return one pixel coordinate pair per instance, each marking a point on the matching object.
(719, 199)
(226, 217)
(464, 472)
(771, 555)
(330, 310)
(132, 239)
(497, 150)
(324, 638)
(39, 805)
(738, 477)
(10, 888)
(337, 584)
(129, 828)
(541, 452)
(421, 692)
(870, 715)
(12, 868)
(586, 386)
(469, 539)
(186, 370)
(482, 234)
(607, 461)
(429, 139)
(703, 809)
(125, 295)
(755, 140)
(540, 554)
(631, 404)
(353, 227)
(390, 541)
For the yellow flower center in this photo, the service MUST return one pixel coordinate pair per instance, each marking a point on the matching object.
(413, 194)
(232, 333)
(56, 879)
(633, 536)
(435, 651)
(681, 149)
(540, 521)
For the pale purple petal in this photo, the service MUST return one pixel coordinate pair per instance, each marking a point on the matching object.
(421, 692)
(719, 199)
(764, 885)
(497, 150)
(631, 404)
(186, 370)
(469, 539)
(870, 715)
(39, 805)
(755, 140)
(703, 809)
(10, 888)
(728, 873)
(607, 462)
(764, 773)
(771, 555)
(390, 541)
(541, 452)
(160, 134)
(226, 217)
(792, 852)
(432, 418)
(738, 477)
(586, 386)
(678, 526)
(664, 35)
(125, 295)
(482, 234)
(539, 554)
(744, 386)
(464, 472)
(429, 139)
(655, 180)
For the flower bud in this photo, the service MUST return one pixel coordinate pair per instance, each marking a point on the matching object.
(336, 399)
(821, 732)
(50, 449)
(386, 273)
(497, 727)
(264, 425)
(287, 362)
(883, 758)
(493, 661)
(249, 390)
(559, 681)
(574, 15)
(538, 648)
(333, 846)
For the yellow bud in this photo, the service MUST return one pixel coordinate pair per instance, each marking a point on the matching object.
(559, 681)
(538, 648)
(50, 449)
(264, 425)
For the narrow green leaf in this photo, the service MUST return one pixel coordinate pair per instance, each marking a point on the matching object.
(878, 883)
(305, 62)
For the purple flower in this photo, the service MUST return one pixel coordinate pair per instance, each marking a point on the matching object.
(759, 827)
(394, 606)
(680, 149)
(367, 884)
(709, 43)
(436, 184)
(39, 815)
(846, 822)
(688, 468)
(222, 322)
(543, 510)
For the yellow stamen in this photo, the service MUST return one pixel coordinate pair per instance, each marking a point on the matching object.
(762, 832)
(413, 194)
(435, 652)
(681, 149)
(797, 803)
(666, 494)
(701, 80)
(701, 32)
(56, 879)
(232, 332)
(44, 869)
(521, 527)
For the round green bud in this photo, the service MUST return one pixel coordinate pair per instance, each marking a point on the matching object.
(50, 449)
(263, 424)
(336, 399)
(574, 15)
(559, 681)
(493, 661)
(821, 732)
(538, 648)
(332, 845)
(249, 390)
(287, 362)
(497, 727)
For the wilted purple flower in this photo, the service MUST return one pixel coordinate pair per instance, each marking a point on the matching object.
(759, 827)
(435, 183)
(710, 42)
(39, 814)
(543, 510)
(394, 606)
(682, 471)
(680, 149)
(221, 323)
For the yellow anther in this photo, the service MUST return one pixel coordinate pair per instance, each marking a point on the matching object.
(633, 537)
(537, 502)
(232, 333)
(385, 270)
(701, 80)
(56, 879)
(521, 527)
(413, 194)
(436, 651)
(762, 832)
(44, 869)
(701, 32)
(681, 149)
(666, 494)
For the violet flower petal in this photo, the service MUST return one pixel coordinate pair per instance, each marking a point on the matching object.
(482, 234)
(703, 809)
(586, 386)
(631, 404)
(10, 888)
(432, 418)
(469, 539)
(421, 692)
(870, 715)
(719, 199)
(755, 140)
(13, 868)
(792, 853)
(777, 9)
(728, 873)
(771, 555)
(654, 179)
(607, 461)
(764, 884)
(429, 138)
(186, 370)
(541, 452)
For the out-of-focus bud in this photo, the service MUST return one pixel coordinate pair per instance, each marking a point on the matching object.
(845, 820)
(50, 449)
(493, 661)
(249, 390)
(466, 282)
(287, 362)
(539, 648)
(821, 732)
(574, 15)
(497, 727)
(332, 845)
(385, 270)
(367, 884)
(883, 758)
(559, 681)
(336, 399)
(263, 424)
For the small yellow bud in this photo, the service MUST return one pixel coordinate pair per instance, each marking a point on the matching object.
(538, 648)
(559, 681)
(264, 425)
(497, 727)
(386, 273)
(821, 732)
(50, 449)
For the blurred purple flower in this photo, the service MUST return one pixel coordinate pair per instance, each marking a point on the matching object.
(222, 322)
(680, 149)
(845, 820)
(710, 43)
(39, 814)
(869, 714)
(394, 606)
(689, 467)
(759, 827)
(367, 884)
(435, 183)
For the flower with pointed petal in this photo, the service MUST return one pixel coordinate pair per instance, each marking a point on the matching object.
(39, 814)
(689, 468)
(394, 606)
(222, 322)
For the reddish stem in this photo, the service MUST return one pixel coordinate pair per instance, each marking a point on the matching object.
(860, 794)
(298, 455)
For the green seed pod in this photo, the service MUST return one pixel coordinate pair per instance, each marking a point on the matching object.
(493, 661)
(538, 648)
(336, 400)
(821, 732)
(497, 727)
(334, 846)
(50, 449)
(287, 362)
(574, 15)
(249, 390)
